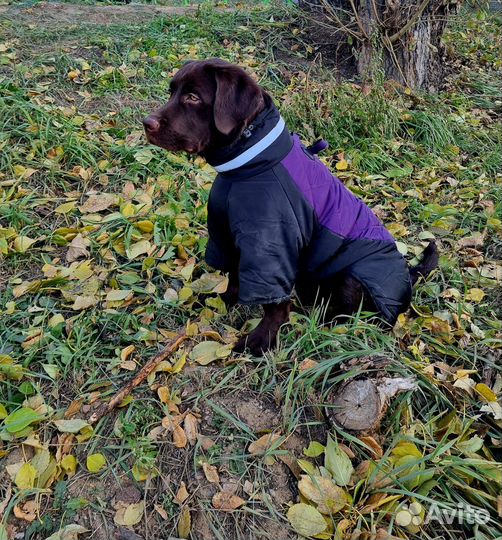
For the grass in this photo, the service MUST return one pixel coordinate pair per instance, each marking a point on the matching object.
(71, 100)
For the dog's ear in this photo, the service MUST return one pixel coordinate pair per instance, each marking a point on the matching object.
(238, 98)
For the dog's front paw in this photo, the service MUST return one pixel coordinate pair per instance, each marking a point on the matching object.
(257, 342)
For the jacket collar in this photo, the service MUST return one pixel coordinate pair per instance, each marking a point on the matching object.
(262, 144)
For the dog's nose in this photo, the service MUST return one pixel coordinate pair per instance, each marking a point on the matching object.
(151, 124)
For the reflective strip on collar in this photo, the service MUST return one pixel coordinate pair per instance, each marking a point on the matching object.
(256, 149)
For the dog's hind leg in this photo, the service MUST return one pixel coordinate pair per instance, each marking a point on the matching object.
(343, 295)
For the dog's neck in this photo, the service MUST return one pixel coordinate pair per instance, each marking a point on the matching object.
(221, 142)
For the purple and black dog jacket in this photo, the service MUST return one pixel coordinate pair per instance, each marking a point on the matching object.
(278, 217)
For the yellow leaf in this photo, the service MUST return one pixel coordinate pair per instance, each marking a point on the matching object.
(95, 462)
(488, 394)
(209, 351)
(69, 465)
(144, 226)
(185, 293)
(328, 497)
(25, 477)
(19, 170)
(306, 520)
(128, 210)
(126, 352)
(73, 74)
(475, 295)
(23, 243)
(129, 515)
(65, 208)
(184, 523)
(342, 165)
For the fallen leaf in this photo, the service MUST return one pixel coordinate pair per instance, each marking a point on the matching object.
(95, 462)
(26, 512)
(68, 532)
(161, 511)
(306, 520)
(182, 494)
(70, 426)
(475, 295)
(487, 393)
(211, 473)
(179, 437)
(23, 243)
(263, 444)
(314, 449)
(376, 449)
(126, 352)
(338, 463)
(208, 351)
(129, 515)
(190, 426)
(227, 502)
(328, 497)
(25, 477)
(98, 202)
(21, 419)
(78, 248)
(493, 408)
(184, 523)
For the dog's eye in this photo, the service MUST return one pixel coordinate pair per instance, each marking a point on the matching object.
(193, 98)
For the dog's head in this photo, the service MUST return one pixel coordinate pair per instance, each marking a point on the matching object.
(211, 103)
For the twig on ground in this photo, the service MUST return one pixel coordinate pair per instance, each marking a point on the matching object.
(139, 378)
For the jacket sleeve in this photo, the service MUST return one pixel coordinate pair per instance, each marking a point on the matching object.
(268, 241)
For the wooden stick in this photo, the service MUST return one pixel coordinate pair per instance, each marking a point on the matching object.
(139, 378)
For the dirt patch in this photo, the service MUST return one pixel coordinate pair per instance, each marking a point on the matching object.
(52, 14)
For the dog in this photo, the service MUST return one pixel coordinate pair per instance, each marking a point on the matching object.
(278, 219)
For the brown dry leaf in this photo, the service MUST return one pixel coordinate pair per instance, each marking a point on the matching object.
(260, 446)
(226, 502)
(205, 441)
(474, 241)
(211, 473)
(308, 363)
(179, 437)
(376, 449)
(74, 408)
(78, 248)
(128, 365)
(160, 510)
(97, 203)
(27, 512)
(182, 494)
(191, 428)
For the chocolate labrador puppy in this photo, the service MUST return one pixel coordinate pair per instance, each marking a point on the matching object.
(278, 219)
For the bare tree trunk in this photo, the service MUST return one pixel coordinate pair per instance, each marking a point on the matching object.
(402, 38)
